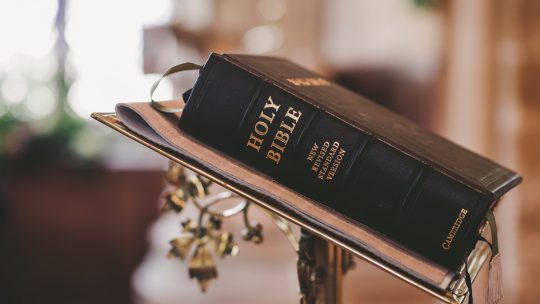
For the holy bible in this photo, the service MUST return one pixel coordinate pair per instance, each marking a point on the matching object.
(356, 158)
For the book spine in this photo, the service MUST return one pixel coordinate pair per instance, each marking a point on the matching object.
(348, 170)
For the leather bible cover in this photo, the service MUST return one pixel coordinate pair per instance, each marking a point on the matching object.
(350, 155)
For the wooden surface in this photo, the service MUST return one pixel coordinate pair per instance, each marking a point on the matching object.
(74, 237)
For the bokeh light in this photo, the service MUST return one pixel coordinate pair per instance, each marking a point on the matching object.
(263, 39)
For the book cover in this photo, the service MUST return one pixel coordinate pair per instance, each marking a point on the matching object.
(352, 156)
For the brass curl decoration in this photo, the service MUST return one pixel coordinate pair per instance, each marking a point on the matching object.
(198, 236)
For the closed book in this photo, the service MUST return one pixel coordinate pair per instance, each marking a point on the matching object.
(350, 155)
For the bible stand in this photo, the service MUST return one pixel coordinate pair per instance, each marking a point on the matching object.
(323, 258)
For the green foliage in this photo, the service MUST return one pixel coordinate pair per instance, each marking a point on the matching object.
(33, 145)
(427, 4)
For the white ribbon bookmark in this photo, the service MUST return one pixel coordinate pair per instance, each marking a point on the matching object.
(186, 66)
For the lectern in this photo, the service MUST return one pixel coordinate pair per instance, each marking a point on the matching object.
(324, 253)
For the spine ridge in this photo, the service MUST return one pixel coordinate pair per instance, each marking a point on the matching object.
(316, 113)
(250, 107)
(362, 147)
(412, 188)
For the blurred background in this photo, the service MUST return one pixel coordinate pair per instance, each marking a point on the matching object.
(79, 220)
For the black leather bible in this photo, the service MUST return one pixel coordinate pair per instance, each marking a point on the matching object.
(345, 152)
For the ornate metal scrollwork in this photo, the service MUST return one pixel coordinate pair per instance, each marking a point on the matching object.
(198, 237)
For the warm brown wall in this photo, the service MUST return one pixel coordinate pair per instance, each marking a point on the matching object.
(503, 113)
(528, 31)
(74, 237)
